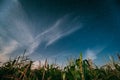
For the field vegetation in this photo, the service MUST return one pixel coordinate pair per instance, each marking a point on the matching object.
(78, 69)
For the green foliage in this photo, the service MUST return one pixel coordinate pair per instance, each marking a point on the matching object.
(78, 69)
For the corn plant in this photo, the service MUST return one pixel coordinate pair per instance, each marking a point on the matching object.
(20, 68)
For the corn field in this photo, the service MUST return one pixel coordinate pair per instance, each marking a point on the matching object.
(78, 69)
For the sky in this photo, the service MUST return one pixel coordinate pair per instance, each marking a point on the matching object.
(60, 29)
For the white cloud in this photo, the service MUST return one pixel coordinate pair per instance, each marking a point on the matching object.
(15, 26)
(90, 54)
(16, 22)
(18, 28)
(60, 29)
(58, 35)
(7, 49)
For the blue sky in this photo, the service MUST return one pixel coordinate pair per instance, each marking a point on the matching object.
(59, 29)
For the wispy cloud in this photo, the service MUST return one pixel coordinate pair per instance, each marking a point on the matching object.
(7, 49)
(61, 28)
(16, 23)
(59, 35)
(92, 53)
(16, 29)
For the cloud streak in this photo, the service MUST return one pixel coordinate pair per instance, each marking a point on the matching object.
(61, 28)
(92, 53)
(15, 29)
(15, 21)
(7, 49)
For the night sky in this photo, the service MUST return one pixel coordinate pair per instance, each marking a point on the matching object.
(59, 29)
